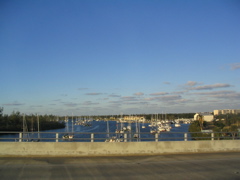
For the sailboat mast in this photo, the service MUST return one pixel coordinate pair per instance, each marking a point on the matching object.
(38, 126)
(72, 122)
(108, 129)
(139, 132)
(25, 129)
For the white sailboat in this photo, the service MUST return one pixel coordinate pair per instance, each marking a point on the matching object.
(113, 138)
(177, 123)
(143, 126)
(137, 134)
(38, 128)
(25, 129)
(68, 136)
(129, 127)
(38, 137)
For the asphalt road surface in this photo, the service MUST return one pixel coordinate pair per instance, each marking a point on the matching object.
(184, 166)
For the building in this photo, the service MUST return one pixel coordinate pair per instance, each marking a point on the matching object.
(208, 117)
(134, 118)
(226, 111)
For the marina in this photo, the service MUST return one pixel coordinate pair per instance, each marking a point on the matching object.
(105, 131)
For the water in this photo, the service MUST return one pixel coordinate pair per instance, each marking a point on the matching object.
(99, 128)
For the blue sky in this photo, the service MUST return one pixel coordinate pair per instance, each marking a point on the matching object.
(91, 57)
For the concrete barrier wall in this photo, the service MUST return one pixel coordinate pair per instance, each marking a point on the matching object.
(115, 149)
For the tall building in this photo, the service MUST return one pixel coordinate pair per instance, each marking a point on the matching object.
(226, 111)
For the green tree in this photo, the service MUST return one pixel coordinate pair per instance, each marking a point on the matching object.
(1, 111)
(219, 124)
(217, 132)
(14, 122)
(194, 128)
(233, 130)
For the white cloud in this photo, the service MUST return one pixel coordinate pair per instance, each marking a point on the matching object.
(128, 98)
(214, 92)
(13, 104)
(164, 98)
(158, 93)
(209, 87)
(179, 92)
(38, 106)
(229, 95)
(170, 98)
(93, 94)
(149, 99)
(139, 94)
(235, 66)
(114, 95)
(88, 103)
(191, 83)
(182, 100)
(80, 89)
(115, 102)
(71, 104)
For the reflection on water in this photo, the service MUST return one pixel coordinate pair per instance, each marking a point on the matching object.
(99, 128)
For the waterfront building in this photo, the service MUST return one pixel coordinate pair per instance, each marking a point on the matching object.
(134, 118)
(208, 117)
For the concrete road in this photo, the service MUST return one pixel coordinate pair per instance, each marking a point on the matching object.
(185, 166)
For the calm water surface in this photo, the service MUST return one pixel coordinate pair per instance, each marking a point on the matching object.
(99, 128)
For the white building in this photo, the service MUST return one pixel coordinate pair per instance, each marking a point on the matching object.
(208, 117)
(226, 111)
(134, 118)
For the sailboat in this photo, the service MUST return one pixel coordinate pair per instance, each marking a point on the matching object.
(25, 129)
(38, 137)
(129, 127)
(117, 129)
(177, 123)
(113, 138)
(153, 130)
(68, 136)
(137, 134)
(143, 126)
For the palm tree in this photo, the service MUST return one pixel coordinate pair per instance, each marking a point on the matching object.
(200, 119)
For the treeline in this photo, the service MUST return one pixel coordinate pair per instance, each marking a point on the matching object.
(227, 124)
(162, 116)
(14, 122)
(171, 116)
(228, 119)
